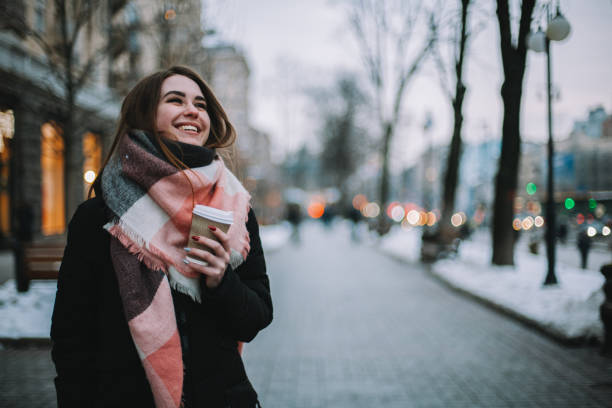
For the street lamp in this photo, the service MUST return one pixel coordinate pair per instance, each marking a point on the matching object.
(558, 29)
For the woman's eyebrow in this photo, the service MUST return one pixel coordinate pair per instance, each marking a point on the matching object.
(179, 93)
(182, 94)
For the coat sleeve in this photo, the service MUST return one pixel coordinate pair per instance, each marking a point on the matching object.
(242, 301)
(73, 322)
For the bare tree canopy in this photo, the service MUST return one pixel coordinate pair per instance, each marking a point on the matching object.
(394, 39)
(457, 43)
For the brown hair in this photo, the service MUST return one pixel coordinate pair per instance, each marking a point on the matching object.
(139, 110)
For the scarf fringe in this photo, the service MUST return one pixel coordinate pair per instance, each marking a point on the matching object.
(134, 244)
(188, 289)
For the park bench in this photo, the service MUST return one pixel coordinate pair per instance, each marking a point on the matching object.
(39, 260)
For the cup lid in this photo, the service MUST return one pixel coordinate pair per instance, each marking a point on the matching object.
(214, 214)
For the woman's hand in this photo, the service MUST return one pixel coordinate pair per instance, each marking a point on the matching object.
(217, 260)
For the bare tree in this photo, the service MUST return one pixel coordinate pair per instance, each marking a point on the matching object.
(458, 43)
(392, 50)
(73, 70)
(341, 134)
(513, 57)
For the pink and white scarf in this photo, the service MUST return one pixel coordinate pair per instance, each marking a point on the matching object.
(152, 203)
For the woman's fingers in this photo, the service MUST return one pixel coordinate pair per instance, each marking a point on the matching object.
(221, 236)
(205, 256)
(207, 264)
(216, 247)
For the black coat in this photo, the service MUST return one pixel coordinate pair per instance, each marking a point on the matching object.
(96, 362)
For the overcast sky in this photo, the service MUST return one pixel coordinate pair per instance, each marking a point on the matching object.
(293, 44)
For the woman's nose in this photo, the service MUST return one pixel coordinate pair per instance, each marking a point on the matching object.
(191, 110)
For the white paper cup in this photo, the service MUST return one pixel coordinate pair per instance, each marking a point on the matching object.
(202, 217)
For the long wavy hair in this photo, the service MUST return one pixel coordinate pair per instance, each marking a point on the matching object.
(139, 111)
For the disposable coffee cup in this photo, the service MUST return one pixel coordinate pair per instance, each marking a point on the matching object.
(202, 217)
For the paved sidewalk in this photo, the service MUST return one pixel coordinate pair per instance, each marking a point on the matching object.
(353, 328)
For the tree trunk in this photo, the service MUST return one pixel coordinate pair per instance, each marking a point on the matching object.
(383, 222)
(504, 236)
(451, 177)
(514, 58)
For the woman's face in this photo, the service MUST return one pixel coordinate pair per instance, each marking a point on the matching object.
(181, 113)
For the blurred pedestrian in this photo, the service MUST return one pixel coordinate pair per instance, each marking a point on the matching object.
(584, 245)
(562, 232)
(135, 323)
(294, 216)
(354, 215)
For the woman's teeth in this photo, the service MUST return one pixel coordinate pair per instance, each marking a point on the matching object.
(188, 128)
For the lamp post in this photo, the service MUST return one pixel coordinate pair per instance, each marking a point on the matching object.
(557, 30)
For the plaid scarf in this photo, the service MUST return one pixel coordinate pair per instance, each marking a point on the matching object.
(151, 201)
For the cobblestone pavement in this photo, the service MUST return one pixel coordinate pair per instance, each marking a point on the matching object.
(354, 328)
(26, 377)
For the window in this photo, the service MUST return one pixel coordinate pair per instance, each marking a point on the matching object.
(7, 130)
(52, 169)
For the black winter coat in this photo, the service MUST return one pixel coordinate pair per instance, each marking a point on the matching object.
(96, 362)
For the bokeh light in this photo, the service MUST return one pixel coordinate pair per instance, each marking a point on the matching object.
(316, 209)
(591, 231)
(390, 208)
(569, 203)
(170, 14)
(456, 220)
(413, 217)
(579, 219)
(538, 221)
(431, 219)
(371, 210)
(527, 223)
(516, 224)
(592, 203)
(359, 201)
(531, 188)
(422, 218)
(605, 231)
(397, 213)
(89, 176)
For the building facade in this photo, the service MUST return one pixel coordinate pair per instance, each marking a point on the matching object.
(117, 43)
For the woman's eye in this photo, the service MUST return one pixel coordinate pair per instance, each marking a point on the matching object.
(201, 106)
(175, 100)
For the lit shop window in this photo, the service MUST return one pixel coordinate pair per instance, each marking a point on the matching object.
(7, 130)
(52, 170)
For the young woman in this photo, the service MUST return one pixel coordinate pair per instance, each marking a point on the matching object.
(135, 323)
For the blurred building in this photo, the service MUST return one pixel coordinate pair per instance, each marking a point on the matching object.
(581, 164)
(118, 43)
(33, 111)
(228, 73)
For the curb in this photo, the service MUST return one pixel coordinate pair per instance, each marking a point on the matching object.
(25, 342)
(531, 323)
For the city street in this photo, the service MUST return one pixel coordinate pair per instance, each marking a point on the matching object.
(354, 328)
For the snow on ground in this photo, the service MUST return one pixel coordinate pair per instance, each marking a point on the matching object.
(569, 310)
(28, 315)
(274, 236)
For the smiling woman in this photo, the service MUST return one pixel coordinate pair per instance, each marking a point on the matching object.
(181, 113)
(168, 327)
